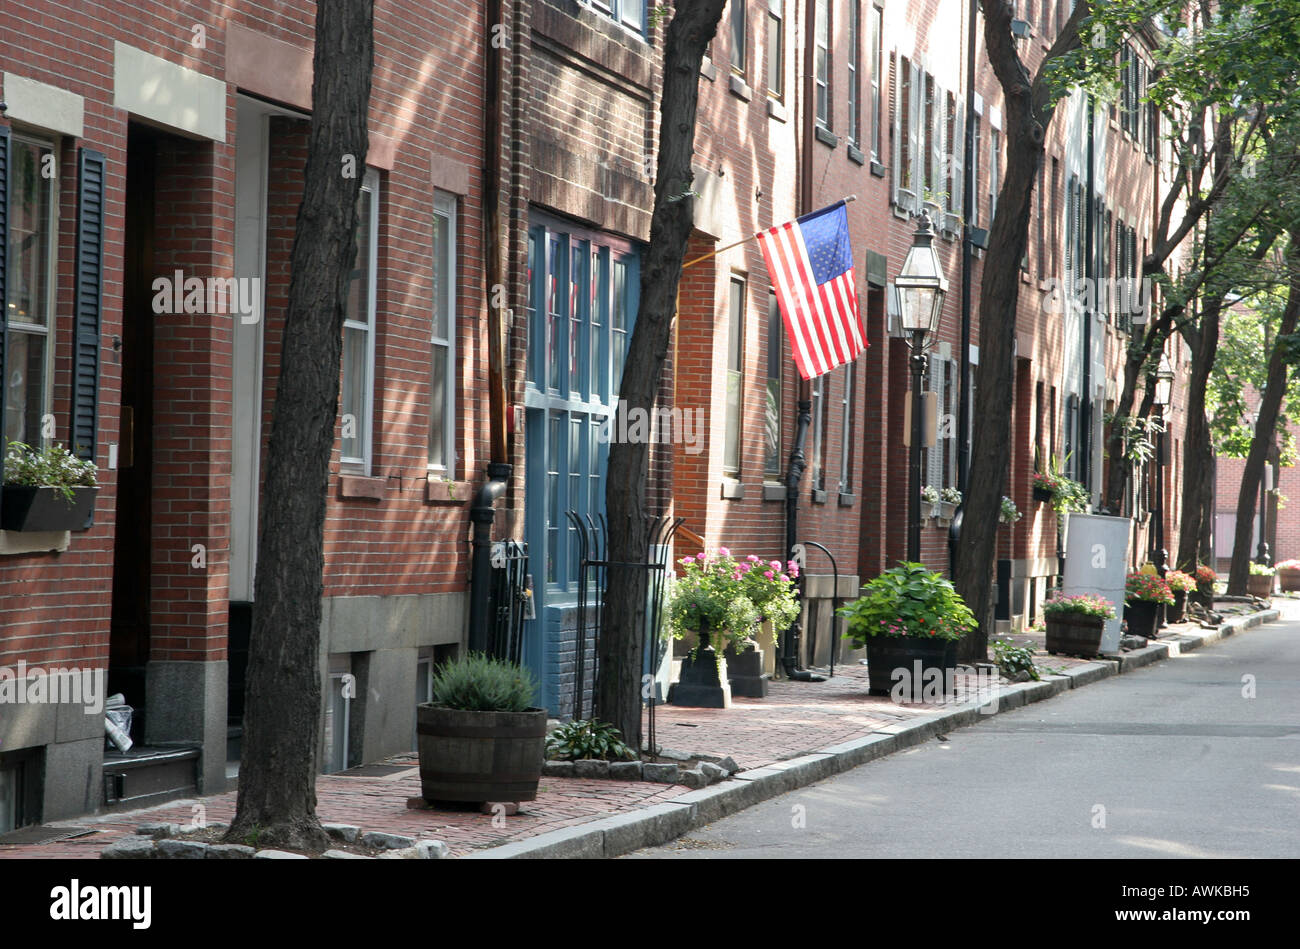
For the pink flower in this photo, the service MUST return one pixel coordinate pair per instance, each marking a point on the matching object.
(776, 565)
(724, 552)
(768, 574)
(700, 556)
(793, 567)
(753, 558)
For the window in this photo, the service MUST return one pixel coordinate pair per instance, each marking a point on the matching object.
(631, 13)
(877, 69)
(735, 374)
(340, 689)
(442, 382)
(819, 433)
(976, 145)
(822, 65)
(995, 158)
(955, 158)
(772, 410)
(30, 300)
(358, 388)
(846, 430)
(940, 461)
(930, 150)
(738, 35)
(1042, 224)
(776, 48)
(854, 57)
(1056, 216)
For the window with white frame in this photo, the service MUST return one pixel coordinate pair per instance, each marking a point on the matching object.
(772, 408)
(442, 339)
(735, 374)
(855, 69)
(847, 391)
(776, 48)
(819, 433)
(822, 62)
(358, 387)
(941, 459)
(30, 284)
(995, 168)
(739, 36)
(630, 13)
(928, 125)
(877, 65)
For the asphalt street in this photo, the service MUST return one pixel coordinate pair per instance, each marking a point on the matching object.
(1195, 756)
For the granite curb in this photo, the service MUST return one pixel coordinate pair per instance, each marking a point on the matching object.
(652, 826)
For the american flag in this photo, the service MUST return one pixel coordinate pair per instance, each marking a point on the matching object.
(810, 263)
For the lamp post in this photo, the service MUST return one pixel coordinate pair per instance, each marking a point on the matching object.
(1162, 380)
(920, 286)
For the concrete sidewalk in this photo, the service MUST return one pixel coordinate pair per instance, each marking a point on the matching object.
(798, 734)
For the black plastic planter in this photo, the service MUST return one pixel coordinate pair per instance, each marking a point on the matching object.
(888, 653)
(1042, 494)
(1177, 612)
(1142, 616)
(26, 508)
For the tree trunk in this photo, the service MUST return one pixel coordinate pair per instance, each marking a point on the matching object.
(1029, 111)
(277, 774)
(618, 686)
(1198, 452)
(1265, 430)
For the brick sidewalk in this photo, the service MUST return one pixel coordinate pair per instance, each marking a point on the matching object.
(794, 719)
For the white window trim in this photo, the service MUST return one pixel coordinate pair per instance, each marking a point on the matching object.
(51, 283)
(369, 183)
(444, 205)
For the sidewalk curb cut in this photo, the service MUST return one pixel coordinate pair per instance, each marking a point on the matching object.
(624, 833)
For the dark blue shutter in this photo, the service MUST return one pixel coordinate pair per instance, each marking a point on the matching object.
(4, 299)
(89, 277)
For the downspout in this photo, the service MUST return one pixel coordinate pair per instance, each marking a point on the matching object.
(482, 513)
(798, 462)
(1089, 264)
(967, 268)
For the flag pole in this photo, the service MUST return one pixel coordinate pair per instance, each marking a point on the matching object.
(723, 250)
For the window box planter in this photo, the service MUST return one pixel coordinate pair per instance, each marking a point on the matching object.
(1289, 579)
(1260, 586)
(480, 756)
(946, 511)
(1142, 616)
(887, 653)
(28, 508)
(1042, 494)
(1075, 635)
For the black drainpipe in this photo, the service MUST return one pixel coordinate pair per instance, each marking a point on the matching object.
(481, 515)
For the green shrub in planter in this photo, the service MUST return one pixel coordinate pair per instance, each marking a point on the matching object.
(479, 683)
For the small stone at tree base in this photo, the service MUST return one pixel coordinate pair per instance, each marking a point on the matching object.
(182, 850)
(348, 833)
(625, 770)
(728, 764)
(129, 848)
(433, 850)
(159, 831)
(692, 778)
(591, 768)
(405, 853)
(277, 855)
(382, 841)
(230, 852)
(344, 855)
(660, 773)
(712, 772)
(491, 807)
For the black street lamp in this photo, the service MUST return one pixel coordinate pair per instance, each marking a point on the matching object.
(920, 286)
(1162, 380)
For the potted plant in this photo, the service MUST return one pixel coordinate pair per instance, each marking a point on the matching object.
(709, 600)
(1182, 584)
(480, 739)
(929, 504)
(1075, 623)
(1288, 575)
(949, 498)
(49, 489)
(1008, 513)
(909, 619)
(1260, 581)
(1143, 595)
(1205, 580)
(771, 589)
(1058, 489)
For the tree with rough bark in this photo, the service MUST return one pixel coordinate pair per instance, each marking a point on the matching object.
(1029, 104)
(278, 765)
(620, 656)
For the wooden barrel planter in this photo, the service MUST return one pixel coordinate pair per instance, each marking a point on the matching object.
(1075, 635)
(480, 756)
(1261, 587)
(887, 653)
(1142, 616)
(1289, 579)
(1177, 612)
